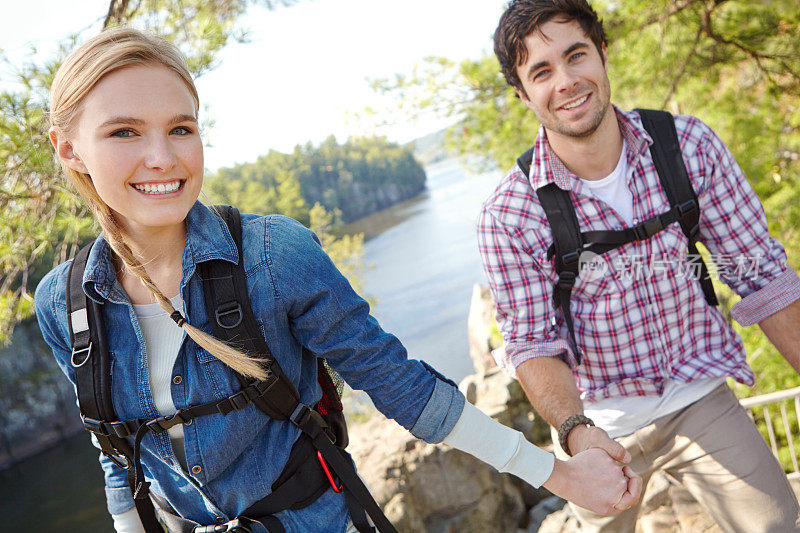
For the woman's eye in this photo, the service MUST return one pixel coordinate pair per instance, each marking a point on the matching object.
(122, 133)
(181, 130)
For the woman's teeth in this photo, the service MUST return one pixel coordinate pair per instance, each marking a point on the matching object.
(160, 188)
(576, 103)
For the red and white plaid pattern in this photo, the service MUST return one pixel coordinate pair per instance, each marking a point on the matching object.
(639, 319)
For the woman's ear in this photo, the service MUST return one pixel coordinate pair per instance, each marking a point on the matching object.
(65, 151)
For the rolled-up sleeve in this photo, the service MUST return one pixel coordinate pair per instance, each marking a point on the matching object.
(523, 294)
(332, 321)
(733, 226)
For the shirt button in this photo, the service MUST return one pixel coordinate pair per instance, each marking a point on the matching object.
(177, 380)
(219, 519)
(196, 469)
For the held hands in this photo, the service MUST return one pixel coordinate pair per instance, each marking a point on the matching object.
(595, 477)
(584, 437)
(593, 480)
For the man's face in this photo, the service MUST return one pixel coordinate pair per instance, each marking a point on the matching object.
(565, 79)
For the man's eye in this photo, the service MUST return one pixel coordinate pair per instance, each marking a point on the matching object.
(539, 74)
(577, 55)
(122, 133)
(181, 130)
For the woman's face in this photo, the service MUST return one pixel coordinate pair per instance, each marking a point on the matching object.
(137, 139)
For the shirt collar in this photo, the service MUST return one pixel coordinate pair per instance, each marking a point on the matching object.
(547, 168)
(207, 238)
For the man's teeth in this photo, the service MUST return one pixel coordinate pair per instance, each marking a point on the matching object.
(161, 188)
(576, 103)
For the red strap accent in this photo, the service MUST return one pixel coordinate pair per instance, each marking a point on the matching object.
(328, 473)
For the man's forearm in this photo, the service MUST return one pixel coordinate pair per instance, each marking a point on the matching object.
(550, 386)
(783, 330)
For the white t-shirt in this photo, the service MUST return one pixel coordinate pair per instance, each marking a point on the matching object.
(613, 189)
(162, 339)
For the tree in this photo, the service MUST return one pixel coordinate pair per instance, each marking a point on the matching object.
(733, 63)
(42, 221)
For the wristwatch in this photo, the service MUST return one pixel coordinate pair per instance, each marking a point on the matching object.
(567, 426)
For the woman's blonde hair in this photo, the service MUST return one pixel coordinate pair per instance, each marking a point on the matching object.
(105, 53)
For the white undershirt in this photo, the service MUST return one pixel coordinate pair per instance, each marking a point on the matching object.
(613, 189)
(622, 415)
(162, 339)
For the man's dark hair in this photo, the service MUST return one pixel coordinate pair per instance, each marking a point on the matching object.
(523, 17)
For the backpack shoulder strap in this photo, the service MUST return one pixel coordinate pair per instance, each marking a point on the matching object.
(232, 319)
(524, 161)
(567, 246)
(567, 242)
(91, 362)
(668, 160)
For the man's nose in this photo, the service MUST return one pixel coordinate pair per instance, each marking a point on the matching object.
(566, 79)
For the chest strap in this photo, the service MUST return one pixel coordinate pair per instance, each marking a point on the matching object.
(569, 242)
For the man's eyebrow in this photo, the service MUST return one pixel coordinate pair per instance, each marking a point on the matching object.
(575, 46)
(571, 48)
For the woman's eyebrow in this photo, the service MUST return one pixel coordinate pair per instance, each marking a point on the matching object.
(183, 117)
(180, 117)
(122, 120)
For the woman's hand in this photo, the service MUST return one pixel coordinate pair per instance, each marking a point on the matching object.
(595, 481)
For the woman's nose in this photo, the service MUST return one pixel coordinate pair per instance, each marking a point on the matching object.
(160, 154)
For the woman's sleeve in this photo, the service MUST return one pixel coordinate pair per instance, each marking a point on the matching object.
(51, 313)
(332, 321)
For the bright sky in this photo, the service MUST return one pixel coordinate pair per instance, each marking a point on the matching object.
(303, 75)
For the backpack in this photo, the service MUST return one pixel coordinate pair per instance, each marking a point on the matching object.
(569, 242)
(316, 458)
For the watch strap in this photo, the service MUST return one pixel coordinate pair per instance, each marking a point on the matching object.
(567, 426)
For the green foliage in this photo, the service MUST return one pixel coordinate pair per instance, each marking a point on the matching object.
(733, 63)
(361, 176)
(346, 251)
(43, 222)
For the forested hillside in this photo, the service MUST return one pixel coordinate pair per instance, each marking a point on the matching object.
(361, 176)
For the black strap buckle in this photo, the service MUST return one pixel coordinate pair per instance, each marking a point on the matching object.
(686, 208)
(122, 428)
(94, 425)
(235, 402)
(163, 423)
(234, 526)
(117, 461)
(225, 310)
(648, 228)
(300, 415)
(566, 280)
(571, 258)
(75, 352)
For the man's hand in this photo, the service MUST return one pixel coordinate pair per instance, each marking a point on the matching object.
(594, 481)
(584, 437)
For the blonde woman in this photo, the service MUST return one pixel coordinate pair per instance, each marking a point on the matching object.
(124, 115)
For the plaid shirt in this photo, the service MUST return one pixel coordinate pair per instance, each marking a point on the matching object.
(639, 311)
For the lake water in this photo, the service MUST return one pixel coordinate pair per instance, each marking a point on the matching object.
(426, 261)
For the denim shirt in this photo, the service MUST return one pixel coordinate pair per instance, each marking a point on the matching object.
(299, 299)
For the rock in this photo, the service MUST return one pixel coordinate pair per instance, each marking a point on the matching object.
(479, 322)
(539, 513)
(423, 487)
(501, 397)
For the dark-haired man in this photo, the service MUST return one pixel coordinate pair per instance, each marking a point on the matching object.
(650, 357)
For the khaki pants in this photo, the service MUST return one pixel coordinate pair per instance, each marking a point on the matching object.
(714, 450)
